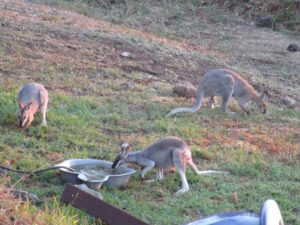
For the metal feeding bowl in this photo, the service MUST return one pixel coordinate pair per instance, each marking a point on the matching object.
(269, 215)
(94, 173)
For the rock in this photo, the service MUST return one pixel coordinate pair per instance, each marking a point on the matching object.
(24, 196)
(265, 21)
(126, 55)
(185, 89)
(128, 85)
(289, 101)
(293, 48)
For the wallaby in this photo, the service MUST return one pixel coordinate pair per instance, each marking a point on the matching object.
(166, 153)
(31, 98)
(226, 84)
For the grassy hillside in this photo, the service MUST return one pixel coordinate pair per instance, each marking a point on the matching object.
(99, 98)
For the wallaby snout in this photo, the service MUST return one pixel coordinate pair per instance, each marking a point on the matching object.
(24, 115)
(117, 162)
(120, 158)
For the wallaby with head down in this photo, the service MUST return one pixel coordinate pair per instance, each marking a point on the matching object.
(226, 84)
(166, 153)
(31, 98)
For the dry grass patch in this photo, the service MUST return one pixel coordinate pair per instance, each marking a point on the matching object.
(264, 139)
(275, 143)
(14, 212)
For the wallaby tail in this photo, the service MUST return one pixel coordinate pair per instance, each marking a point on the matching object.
(193, 166)
(196, 107)
(204, 172)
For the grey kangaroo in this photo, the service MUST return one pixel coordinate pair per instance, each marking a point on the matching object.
(31, 98)
(226, 84)
(165, 153)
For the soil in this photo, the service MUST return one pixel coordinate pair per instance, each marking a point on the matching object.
(36, 36)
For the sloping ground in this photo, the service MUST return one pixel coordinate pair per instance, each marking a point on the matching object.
(77, 43)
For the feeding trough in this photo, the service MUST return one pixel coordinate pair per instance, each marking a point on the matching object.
(94, 173)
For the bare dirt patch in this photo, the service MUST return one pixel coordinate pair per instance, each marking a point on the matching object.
(73, 43)
(10, 212)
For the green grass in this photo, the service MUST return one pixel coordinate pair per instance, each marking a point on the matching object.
(92, 127)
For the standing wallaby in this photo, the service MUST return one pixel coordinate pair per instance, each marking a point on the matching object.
(226, 84)
(32, 97)
(163, 154)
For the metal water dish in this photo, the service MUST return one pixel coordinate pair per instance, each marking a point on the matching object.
(89, 171)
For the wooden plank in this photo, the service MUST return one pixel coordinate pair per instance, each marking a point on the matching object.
(97, 208)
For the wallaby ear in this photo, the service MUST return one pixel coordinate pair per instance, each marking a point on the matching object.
(125, 148)
(21, 105)
(128, 149)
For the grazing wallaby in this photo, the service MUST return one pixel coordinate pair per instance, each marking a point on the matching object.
(227, 84)
(32, 97)
(163, 154)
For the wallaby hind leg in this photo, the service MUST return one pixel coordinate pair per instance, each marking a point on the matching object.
(160, 174)
(43, 112)
(193, 166)
(225, 99)
(180, 166)
(185, 186)
(43, 106)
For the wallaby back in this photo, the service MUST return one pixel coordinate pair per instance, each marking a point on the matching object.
(161, 151)
(241, 87)
(31, 98)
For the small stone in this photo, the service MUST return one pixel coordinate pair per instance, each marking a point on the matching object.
(289, 101)
(293, 48)
(185, 89)
(265, 21)
(128, 85)
(126, 55)
(24, 196)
